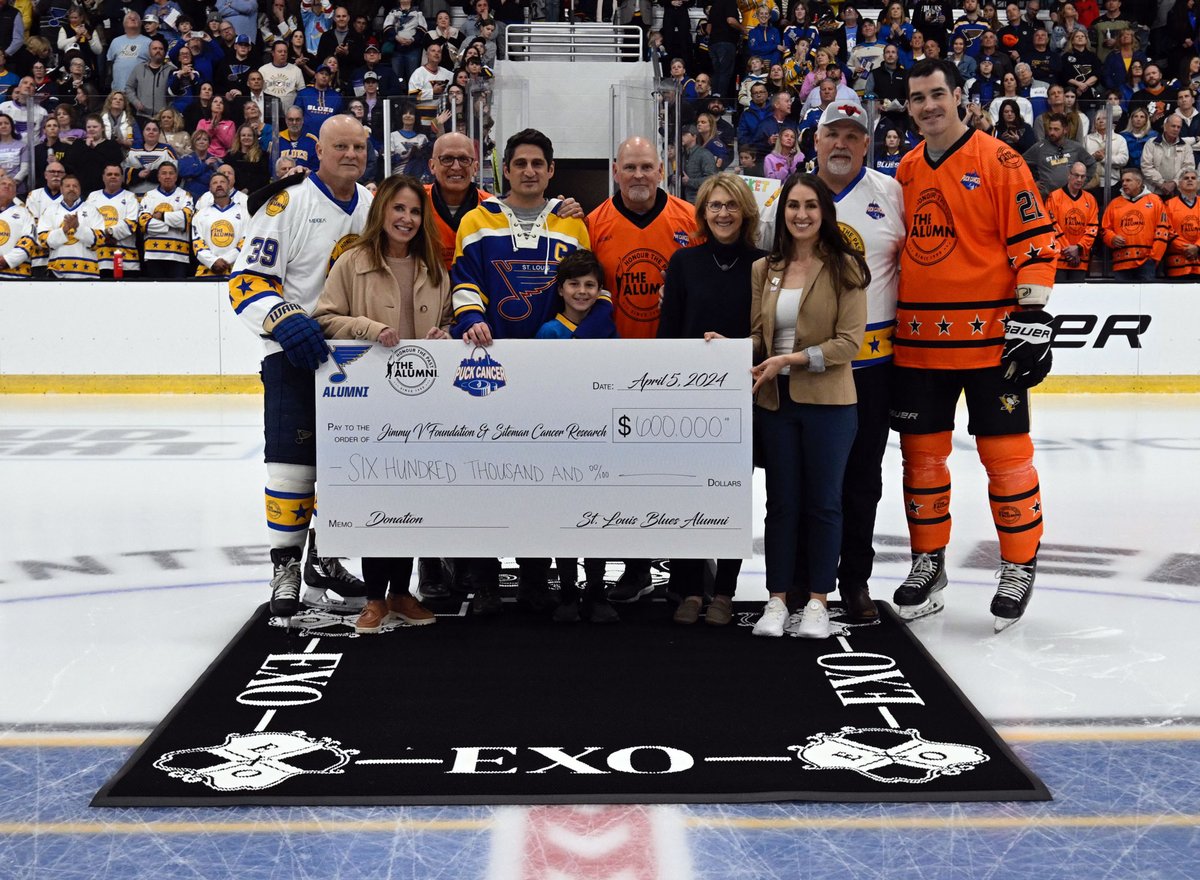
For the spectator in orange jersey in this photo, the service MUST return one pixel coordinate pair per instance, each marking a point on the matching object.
(634, 235)
(1076, 222)
(1135, 229)
(453, 192)
(976, 273)
(1183, 213)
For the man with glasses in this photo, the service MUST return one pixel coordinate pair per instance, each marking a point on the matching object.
(1076, 218)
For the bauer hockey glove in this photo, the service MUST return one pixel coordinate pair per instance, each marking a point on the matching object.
(1027, 337)
(300, 335)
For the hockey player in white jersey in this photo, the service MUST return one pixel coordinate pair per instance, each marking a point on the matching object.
(120, 210)
(70, 231)
(38, 201)
(290, 243)
(17, 232)
(218, 230)
(870, 212)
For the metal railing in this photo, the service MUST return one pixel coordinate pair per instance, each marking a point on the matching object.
(572, 42)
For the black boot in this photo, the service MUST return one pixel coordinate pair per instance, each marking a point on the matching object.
(568, 592)
(431, 580)
(596, 607)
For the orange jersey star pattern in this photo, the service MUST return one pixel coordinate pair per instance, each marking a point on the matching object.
(977, 228)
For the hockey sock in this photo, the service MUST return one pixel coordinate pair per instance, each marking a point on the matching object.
(927, 489)
(1014, 494)
(290, 499)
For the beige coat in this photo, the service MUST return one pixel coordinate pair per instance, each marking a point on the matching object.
(359, 302)
(831, 320)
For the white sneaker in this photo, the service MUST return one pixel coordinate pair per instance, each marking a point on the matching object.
(773, 618)
(814, 621)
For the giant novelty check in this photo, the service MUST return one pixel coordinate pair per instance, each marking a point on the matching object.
(536, 448)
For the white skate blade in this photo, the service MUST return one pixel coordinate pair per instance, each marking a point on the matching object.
(932, 605)
(1003, 623)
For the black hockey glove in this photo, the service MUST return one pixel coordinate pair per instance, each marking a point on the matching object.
(1027, 337)
(299, 334)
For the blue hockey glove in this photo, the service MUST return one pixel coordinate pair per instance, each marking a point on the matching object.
(300, 335)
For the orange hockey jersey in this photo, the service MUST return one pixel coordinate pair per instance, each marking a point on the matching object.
(1185, 231)
(1076, 222)
(447, 222)
(634, 250)
(1142, 222)
(977, 228)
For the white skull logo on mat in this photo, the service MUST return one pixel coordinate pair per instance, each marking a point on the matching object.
(887, 755)
(254, 761)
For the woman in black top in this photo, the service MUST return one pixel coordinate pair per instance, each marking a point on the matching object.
(88, 155)
(250, 164)
(707, 296)
(1010, 127)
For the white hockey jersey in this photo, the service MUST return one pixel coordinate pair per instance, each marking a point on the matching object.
(18, 241)
(238, 197)
(870, 212)
(37, 202)
(290, 246)
(72, 255)
(217, 234)
(120, 213)
(171, 237)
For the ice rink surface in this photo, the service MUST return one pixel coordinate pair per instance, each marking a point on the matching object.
(131, 550)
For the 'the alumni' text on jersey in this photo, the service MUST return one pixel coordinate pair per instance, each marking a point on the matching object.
(634, 250)
(977, 229)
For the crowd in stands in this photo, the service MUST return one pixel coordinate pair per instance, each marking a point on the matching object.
(231, 94)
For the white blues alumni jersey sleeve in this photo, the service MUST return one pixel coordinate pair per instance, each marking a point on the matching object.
(290, 245)
(870, 213)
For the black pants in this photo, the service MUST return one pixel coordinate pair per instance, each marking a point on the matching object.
(687, 575)
(381, 571)
(862, 487)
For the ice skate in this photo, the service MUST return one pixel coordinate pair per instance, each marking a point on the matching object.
(285, 584)
(921, 593)
(329, 586)
(1013, 593)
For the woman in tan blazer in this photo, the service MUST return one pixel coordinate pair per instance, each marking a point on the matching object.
(390, 286)
(808, 313)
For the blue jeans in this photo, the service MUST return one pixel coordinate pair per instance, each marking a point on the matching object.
(805, 447)
(1144, 272)
(722, 55)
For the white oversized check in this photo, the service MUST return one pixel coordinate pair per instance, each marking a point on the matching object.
(540, 448)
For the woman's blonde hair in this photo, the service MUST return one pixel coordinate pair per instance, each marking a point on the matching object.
(255, 153)
(426, 244)
(740, 193)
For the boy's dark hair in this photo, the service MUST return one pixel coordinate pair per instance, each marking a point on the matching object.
(579, 264)
(532, 137)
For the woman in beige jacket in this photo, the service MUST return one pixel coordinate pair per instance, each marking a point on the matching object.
(807, 318)
(390, 286)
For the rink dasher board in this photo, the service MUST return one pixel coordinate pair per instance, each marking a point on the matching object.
(603, 448)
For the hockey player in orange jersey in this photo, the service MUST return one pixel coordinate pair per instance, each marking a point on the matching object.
(1076, 219)
(1135, 229)
(1183, 213)
(975, 275)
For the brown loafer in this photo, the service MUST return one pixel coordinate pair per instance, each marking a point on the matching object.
(405, 607)
(857, 602)
(688, 611)
(372, 618)
(719, 612)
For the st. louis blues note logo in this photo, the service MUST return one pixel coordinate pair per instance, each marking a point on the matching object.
(343, 355)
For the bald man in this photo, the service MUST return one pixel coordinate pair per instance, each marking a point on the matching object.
(291, 240)
(634, 234)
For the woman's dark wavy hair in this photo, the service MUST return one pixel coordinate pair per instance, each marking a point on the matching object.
(1018, 122)
(838, 256)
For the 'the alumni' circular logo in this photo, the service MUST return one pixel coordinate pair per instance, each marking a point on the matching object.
(931, 238)
(411, 370)
(639, 280)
